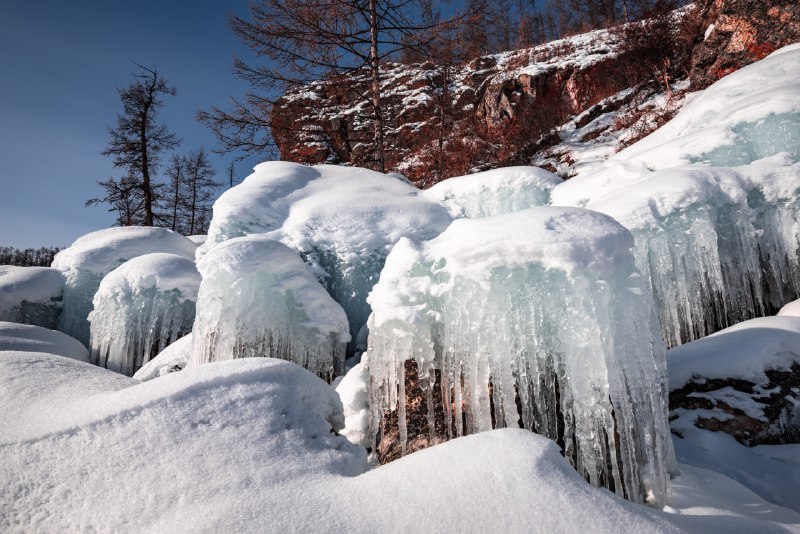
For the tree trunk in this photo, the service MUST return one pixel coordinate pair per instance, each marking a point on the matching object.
(146, 188)
(376, 85)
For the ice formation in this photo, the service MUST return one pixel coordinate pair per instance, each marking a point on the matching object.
(494, 192)
(31, 295)
(343, 222)
(258, 298)
(713, 201)
(174, 358)
(538, 317)
(94, 255)
(141, 307)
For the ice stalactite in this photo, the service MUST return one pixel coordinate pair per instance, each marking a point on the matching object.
(92, 256)
(539, 317)
(341, 220)
(258, 298)
(140, 308)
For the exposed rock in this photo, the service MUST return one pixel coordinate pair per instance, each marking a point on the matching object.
(739, 32)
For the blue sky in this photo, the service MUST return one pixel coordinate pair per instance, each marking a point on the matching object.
(62, 62)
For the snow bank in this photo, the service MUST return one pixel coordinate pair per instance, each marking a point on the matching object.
(173, 358)
(494, 192)
(91, 257)
(743, 351)
(713, 201)
(31, 295)
(353, 390)
(544, 307)
(792, 309)
(342, 220)
(258, 298)
(30, 338)
(141, 307)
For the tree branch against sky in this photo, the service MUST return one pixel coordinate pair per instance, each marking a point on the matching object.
(303, 41)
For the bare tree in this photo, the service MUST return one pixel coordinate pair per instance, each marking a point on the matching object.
(200, 187)
(175, 193)
(305, 41)
(136, 144)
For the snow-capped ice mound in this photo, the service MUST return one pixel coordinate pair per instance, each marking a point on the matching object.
(342, 220)
(174, 358)
(744, 351)
(141, 307)
(30, 338)
(91, 257)
(543, 307)
(494, 192)
(31, 295)
(258, 298)
(713, 201)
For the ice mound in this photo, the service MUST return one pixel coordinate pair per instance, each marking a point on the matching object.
(94, 255)
(31, 295)
(541, 309)
(258, 298)
(174, 358)
(30, 338)
(494, 192)
(141, 307)
(713, 201)
(342, 220)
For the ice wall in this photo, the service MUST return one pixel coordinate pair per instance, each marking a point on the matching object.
(258, 298)
(91, 257)
(342, 220)
(31, 295)
(713, 201)
(141, 307)
(539, 316)
(494, 192)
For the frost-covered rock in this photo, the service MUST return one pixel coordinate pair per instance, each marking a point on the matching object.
(141, 307)
(713, 201)
(538, 317)
(91, 257)
(173, 358)
(31, 295)
(258, 298)
(343, 221)
(30, 338)
(744, 380)
(494, 192)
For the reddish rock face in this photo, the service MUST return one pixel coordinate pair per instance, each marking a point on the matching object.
(739, 33)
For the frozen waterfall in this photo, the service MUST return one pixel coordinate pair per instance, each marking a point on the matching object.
(537, 318)
(141, 307)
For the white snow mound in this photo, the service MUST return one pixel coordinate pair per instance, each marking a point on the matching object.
(31, 295)
(173, 358)
(30, 338)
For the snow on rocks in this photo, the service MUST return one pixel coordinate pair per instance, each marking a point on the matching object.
(92, 256)
(258, 298)
(494, 192)
(173, 358)
(141, 307)
(30, 338)
(343, 221)
(31, 295)
(543, 307)
(713, 201)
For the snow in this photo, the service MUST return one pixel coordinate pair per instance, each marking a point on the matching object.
(31, 295)
(343, 221)
(237, 445)
(92, 256)
(719, 183)
(792, 309)
(258, 298)
(353, 390)
(743, 351)
(173, 358)
(30, 338)
(141, 307)
(494, 192)
(549, 294)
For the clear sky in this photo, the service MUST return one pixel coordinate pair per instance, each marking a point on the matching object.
(61, 62)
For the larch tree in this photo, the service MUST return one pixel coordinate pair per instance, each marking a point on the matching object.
(305, 41)
(136, 144)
